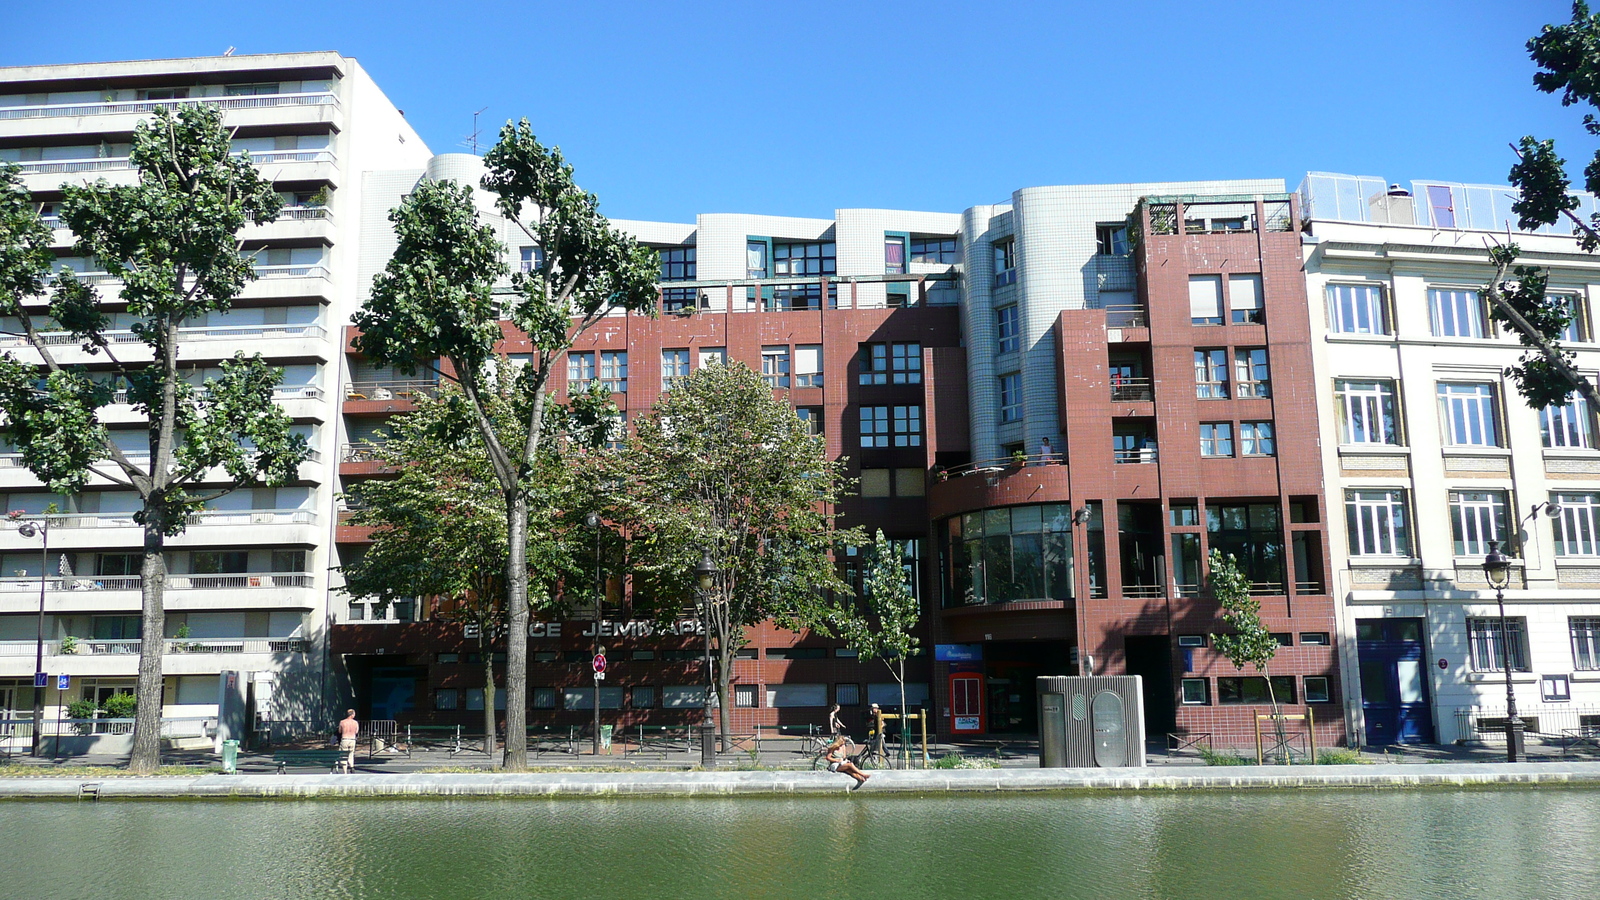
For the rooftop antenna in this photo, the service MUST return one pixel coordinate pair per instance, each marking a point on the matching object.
(472, 139)
(228, 52)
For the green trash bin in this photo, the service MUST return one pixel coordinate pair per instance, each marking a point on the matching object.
(605, 737)
(230, 757)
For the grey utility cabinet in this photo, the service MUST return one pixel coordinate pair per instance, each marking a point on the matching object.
(1093, 721)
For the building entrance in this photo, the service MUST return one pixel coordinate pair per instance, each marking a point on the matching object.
(1011, 668)
(1150, 656)
(1394, 681)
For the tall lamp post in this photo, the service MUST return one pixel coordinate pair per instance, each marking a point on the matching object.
(705, 576)
(1497, 569)
(28, 530)
(593, 521)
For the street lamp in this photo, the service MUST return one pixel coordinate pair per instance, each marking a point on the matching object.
(705, 576)
(592, 520)
(1497, 569)
(28, 530)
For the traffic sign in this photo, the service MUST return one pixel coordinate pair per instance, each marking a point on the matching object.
(63, 682)
(600, 663)
(40, 679)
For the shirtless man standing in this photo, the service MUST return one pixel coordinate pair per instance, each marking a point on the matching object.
(348, 729)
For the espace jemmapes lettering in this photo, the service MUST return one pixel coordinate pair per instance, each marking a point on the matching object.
(1056, 406)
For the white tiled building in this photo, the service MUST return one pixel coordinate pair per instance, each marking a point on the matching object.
(249, 587)
(1429, 453)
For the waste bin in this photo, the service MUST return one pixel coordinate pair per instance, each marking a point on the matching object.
(605, 737)
(230, 757)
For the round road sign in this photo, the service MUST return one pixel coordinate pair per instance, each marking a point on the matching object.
(599, 662)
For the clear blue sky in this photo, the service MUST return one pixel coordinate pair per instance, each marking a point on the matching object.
(799, 108)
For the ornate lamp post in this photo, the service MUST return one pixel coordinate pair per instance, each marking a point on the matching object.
(28, 530)
(705, 576)
(592, 520)
(1497, 569)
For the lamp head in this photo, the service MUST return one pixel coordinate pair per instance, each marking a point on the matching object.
(1081, 516)
(705, 571)
(27, 529)
(1497, 567)
(592, 520)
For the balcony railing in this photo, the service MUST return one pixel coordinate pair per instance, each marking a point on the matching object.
(117, 163)
(303, 213)
(1143, 591)
(390, 390)
(139, 107)
(1141, 455)
(206, 517)
(90, 646)
(1132, 389)
(1127, 317)
(197, 333)
(366, 451)
(30, 584)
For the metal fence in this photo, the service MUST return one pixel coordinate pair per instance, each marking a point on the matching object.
(1548, 722)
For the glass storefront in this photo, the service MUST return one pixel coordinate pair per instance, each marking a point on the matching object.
(1006, 555)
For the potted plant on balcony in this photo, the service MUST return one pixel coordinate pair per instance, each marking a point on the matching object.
(69, 646)
(1019, 458)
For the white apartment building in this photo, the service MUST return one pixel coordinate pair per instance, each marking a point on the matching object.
(1432, 454)
(249, 588)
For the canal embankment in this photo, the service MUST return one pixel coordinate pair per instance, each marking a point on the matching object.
(770, 783)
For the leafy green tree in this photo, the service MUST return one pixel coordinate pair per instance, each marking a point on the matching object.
(1247, 642)
(721, 467)
(171, 240)
(434, 301)
(881, 626)
(1568, 57)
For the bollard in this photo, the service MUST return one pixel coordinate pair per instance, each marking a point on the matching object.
(708, 745)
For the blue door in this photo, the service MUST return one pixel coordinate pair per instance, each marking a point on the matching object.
(1394, 681)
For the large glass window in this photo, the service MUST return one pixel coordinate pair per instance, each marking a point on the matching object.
(1007, 555)
(1211, 374)
(1250, 371)
(1456, 313)
(1216, 439)
(804, 259)
(1253, 533)
(677, 263)
(1577, 525)
(898, 363)
(1468, 415)
(1585, 642)
(894, 254)
(775, 366)
(1005, 257)
(755, 263)
(1255, 439)
(874, 426)
(1377, 523)
(1253, 689)
(908, 426)
(808, 365)
(1477, 519)
(1489, 644)
(1111, 239)
(1577, 330)
(1011, 397)
(933, 249)
(1366, 412)
(674, 367)
(614, 371)
(1007, 323)
(1570, 426)
(1357, 309)
(580, 369)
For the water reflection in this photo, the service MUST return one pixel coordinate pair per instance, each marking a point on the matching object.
(1512, 843)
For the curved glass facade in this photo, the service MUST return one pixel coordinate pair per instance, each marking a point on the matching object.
(1005, 555)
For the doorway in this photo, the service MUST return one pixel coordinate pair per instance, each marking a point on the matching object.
(1394, 683)
(1011, 670)
(1150, 656)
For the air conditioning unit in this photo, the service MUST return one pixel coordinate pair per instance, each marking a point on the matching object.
(1094, 721)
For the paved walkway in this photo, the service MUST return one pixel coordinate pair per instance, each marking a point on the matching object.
(726, 783)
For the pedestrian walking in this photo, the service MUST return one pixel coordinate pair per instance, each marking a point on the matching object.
(835, 727)
(348, 729)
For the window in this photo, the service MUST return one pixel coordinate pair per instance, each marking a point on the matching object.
(874, 426)
(219, 562)
(1357, 309)
(906, 363)
(1456, 313)
(797, 653)
(744, 696)
(808, 365)
(1376, 521)
(1317, 689)
(1476, 519)
(908, 426)
(1253, 533)
(1244, 300)
(1467, 412)
(804, 259)
(1005, 262)
(116, 628)
(1255, 439)
(532, 258)
(1250, 370)
(1366, 412)
(874, 363)
(1253, 689)
(894, 254)
(580, 369)
(1284, 638)
(614, 371)
(847, 694)
(1568, 426)
(1111, 239)
(938, 250)
(1585, 642)
(755, 259)
(1011, 397)
(445, 698)
(1007, 554)
(677, 263)
(1211, 374)
(164, 94)
(775, 366)
(1205, 299)
(1007, 323)
(583, 698)
(674, 367)
(1216, 439)
(1196, 692)
(1489, 644)
(684, 696)
(642, 697)
(675, 299)
(115, 564)
(1577, 330)
(250, 90)
(288, 561)
(1577, 525)
(713, 356)
(1314, 638)
(811, 416)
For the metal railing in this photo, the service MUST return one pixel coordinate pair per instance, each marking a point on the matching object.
(1308, 587)
(196, 333)
(1133, 389)
(1144, 591)
(1551, 722)
(1266, 588)
(1141, 455)
(173, 645)
(30, 584)
(390, 390)
(1000, 465)
(138, 107)
(366, 451)
(302, 213)
(1127, 317)
(204, 517)
(120, 163)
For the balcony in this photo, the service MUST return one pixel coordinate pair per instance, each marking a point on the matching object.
(87, 646)
(300, 165)
(390, 390)
(194, 334)
(1130, 390)
(146, 107)
(1134, 456)
(29, 584)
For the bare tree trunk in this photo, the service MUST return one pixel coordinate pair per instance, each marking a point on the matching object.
(1278, 727)
(516, 758)
(486, 647)
(900, 676)
(147, 715)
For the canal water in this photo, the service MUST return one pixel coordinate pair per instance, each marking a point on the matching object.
(1507, 843)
